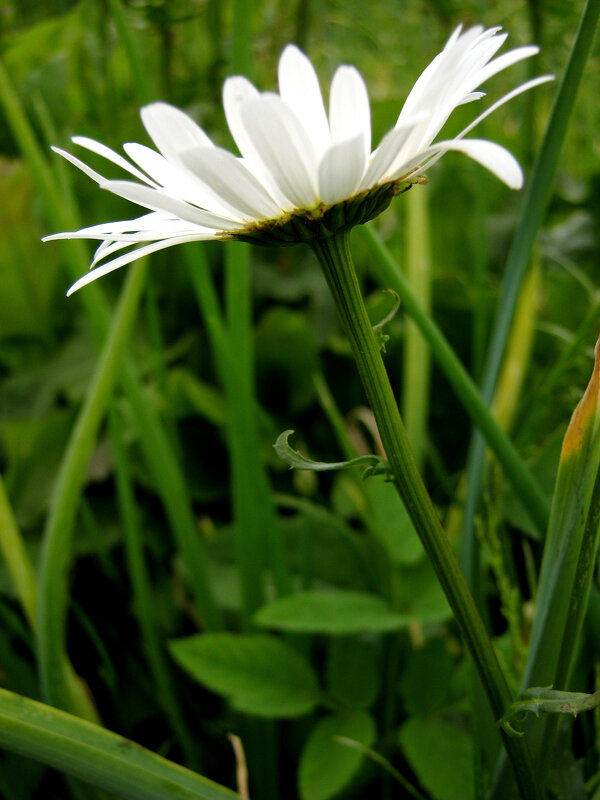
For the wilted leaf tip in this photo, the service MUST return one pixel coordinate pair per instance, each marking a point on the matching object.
(586, 413)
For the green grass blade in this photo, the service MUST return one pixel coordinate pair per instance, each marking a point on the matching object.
(515, 470)
(143, 601)
(17, 559)
(417, 368)
(535, 202)
(97, 756)
(159, 454)
(138, 73)
(567, 567)
(56, 545)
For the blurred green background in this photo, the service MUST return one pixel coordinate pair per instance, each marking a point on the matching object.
(69, 65)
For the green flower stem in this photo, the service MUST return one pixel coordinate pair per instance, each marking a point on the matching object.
(336, 261)
(514, 468)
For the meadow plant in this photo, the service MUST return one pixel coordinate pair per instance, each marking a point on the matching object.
(356, 635)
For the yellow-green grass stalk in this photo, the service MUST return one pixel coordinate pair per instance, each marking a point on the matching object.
(97, 756)
(417, 362)
(16, 558)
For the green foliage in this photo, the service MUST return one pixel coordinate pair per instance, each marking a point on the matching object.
(326, 764)
(261, 675)
(307, 602)
(441, 755)
(353, 671)
(333, 611)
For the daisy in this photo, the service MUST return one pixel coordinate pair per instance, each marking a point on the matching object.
(305, 173)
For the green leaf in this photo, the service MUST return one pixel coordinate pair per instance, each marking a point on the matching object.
(441, 755)
(374, 464)
(353, 674)
(387, 519)
(259, 674)
(427, 678)
(97, 756)
(326, 765)
(330, 611)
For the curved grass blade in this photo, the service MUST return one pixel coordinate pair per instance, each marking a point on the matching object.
(97, 756)
(534, 207)
(567, 565)
(56, 545)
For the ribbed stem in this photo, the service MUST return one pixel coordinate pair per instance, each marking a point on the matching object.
(334, 255)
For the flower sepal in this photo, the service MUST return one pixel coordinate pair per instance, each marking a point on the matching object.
(324, 221)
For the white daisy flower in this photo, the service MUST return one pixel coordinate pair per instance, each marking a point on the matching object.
(303, 172)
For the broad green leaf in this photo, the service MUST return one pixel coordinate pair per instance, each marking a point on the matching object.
(387, 519)
(426, 680)
(441, 755)
(327, 765)
(95, 755)
(330, 611)
(420, 594)
(353, 671)
(259, 674)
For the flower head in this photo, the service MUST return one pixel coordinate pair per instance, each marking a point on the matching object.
(303, 172)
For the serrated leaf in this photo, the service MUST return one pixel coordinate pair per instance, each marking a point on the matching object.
(259, 674)
(330, 611)
(327, 765)
(375, 465)
(441, 755)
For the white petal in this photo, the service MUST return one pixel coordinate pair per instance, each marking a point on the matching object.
(147, 222)
(231, 180)
(504, 61)
(349, 111)
(341, 170)
(133, 256)
(237, 91)
(283, 147)
(524, 87)
(172, 130)
(161, 201)
(468, 98)
(385, 155)
(490, 155)
(91, 173)
(299, 87)
(178, 181)
(110, 155)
